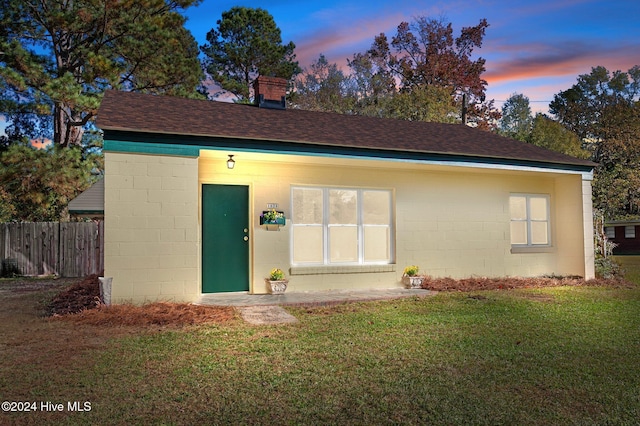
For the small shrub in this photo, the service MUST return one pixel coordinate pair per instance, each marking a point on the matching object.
(9, 268)
(607, 268)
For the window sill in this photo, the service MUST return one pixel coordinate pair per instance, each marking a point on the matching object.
(345, 269)
(532, 249)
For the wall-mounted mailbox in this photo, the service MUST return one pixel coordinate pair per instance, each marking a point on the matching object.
(272, 217)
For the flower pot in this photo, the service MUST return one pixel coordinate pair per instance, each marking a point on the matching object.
(277, 287)
(412, 282)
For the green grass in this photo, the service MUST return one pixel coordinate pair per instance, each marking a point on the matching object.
(567, 355)
(630, 266)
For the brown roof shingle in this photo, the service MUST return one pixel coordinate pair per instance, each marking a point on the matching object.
(135, 112)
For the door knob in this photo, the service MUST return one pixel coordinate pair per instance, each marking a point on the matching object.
(246, 238)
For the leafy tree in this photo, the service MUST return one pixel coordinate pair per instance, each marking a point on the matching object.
(581, 107)
(516, 121)
(323, 87)
(58, 57)
(427, 53)
(602, 109)
(424, 54)
(552, 135)
(372, 80)
(616, 183)
(247, 44)
(423, 103)
(37, 185)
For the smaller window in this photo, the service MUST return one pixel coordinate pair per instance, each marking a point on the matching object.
(530, 220)
(610, 232)
(630, 231)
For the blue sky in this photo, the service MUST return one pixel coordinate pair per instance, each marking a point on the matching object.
(537, 48)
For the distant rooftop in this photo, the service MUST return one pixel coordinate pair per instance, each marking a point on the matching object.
(90, 202)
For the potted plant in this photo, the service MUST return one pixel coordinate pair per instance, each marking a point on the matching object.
(277, 281)
(410, 277)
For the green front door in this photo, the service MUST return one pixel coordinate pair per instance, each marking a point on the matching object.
(225, 238)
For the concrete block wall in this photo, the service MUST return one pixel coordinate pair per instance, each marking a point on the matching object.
(151, 227)
(451, 221)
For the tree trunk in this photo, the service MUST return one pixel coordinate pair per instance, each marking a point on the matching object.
(65, 132)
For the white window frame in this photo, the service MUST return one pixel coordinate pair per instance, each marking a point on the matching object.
(630, 231)
(610, 232)
(529, 221)
(360, 226)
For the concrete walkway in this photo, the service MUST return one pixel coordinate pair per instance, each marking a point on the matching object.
(309, 298)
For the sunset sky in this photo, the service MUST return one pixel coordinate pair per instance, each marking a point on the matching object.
(537, 48)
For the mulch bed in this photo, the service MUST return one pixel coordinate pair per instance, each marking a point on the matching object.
(79, 297)
(482, 283)
(81, 302)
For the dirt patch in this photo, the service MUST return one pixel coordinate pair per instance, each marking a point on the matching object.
(482, 283)
(21, 285)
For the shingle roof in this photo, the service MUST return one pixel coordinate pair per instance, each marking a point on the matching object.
(89, 201)
(135, 112)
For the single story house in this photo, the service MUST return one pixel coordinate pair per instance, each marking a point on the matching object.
(187, 184)
(625, 234)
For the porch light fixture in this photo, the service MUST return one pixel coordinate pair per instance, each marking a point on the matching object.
(231, 162)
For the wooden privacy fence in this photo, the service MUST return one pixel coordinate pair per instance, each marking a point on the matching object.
(67, 249)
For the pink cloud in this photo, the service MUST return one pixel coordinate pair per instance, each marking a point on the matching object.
(524, 62)
(343, 41)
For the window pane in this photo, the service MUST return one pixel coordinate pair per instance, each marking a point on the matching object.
(539, 234)
(343, 246)
(630, 231)
(307, 205)
(343, 207)
(538, 208)
(518, 232)
(610, 231)
(518, 207)
(375, 207)
(307, 244)
(376, 244)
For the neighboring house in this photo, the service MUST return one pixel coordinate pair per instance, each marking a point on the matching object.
(89, 203)
(363, 198)
(626, 236)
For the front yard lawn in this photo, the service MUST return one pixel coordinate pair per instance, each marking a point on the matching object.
(560, 355)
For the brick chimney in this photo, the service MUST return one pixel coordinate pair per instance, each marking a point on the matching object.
(270, 92)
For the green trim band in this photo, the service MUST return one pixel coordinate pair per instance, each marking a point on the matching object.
(151, 148)
(190, 146)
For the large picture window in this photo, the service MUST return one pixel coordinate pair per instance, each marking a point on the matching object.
(529, 220)
(341, 226)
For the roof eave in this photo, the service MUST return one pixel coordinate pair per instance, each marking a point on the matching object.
(322, 147)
